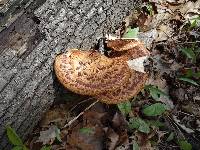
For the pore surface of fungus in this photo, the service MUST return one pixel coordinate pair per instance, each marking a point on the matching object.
(108, 78)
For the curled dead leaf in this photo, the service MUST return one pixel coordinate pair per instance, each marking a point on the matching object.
(48, 136)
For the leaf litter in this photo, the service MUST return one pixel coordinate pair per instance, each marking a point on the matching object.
(165, 116)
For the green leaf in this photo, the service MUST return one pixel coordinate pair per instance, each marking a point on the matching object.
(86, 131)
(197, 74)
(139, 124)
(155, 123)
(189, 53)
(155, 109)
(194, 22)
(124, 107)
(184, 145)
(135, 146)
(131, 33)
(189, 73)
(170, 137)
(13, 137)
(46, 148)
(57, 130)
(25, 148)
(188, 80)
(17, 148)
(155, 92)
(150, 9)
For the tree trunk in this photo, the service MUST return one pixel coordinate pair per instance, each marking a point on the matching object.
(32, 33)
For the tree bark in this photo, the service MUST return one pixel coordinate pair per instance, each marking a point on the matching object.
(32, 34)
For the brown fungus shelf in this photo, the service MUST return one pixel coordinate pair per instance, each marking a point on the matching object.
(107, 78)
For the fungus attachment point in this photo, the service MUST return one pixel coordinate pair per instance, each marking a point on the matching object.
(109, 79)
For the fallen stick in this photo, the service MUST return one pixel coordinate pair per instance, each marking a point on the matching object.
(80, 114)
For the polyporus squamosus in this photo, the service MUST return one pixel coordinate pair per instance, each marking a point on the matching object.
(109, 79)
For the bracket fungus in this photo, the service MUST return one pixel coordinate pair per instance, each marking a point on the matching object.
(108, 78)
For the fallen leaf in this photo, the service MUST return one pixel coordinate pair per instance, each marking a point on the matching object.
(91, 141)
(119, 121)
(192, 108)
(148, 37)
(138, 123)
(160, 134)
(155, 109)
(48, 136)
(188, 130)
(131, 33)
(46, 148)
(137, 64)
(86, 131)
(93, 117)
(189, 53)
(13, 137)
(189, 81)
(184, 145)
(113, 139)
(170, 137)
(155, 92)
(125, 107)
(164, 33)
(57, 115)
(135, 146)
(143, 141)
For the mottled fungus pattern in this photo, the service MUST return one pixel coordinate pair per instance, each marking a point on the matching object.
(107, 78)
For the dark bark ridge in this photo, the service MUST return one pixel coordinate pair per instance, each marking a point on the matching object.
(28, 48)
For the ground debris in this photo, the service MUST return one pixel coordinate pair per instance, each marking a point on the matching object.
(166, 28)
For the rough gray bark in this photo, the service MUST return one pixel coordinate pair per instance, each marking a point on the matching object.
(29, 42)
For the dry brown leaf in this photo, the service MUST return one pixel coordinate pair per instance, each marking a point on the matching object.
(192, 108)
(93, 118)
(164, 32)
(113, 139)
(171, 10)
(160, 134)
(48, 136)
(57, 115)
(118, 121)
(143, 141)
(84, 141)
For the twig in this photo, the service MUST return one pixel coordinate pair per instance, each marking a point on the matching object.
(186, 114)
(74, 119)
(177, 128)
(83, 101)
(179, 42)
(186, 129)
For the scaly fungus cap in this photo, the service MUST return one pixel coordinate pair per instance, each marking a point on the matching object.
(109, 79)
(89, 72)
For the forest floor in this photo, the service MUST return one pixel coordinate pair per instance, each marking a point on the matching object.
(165, 115)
